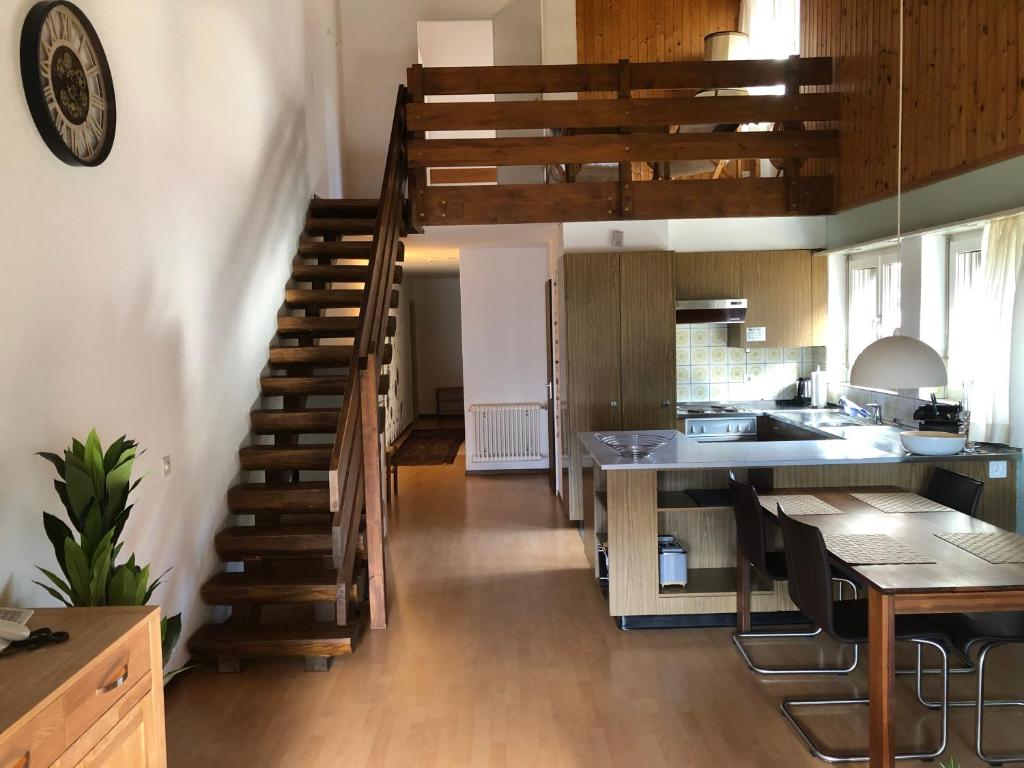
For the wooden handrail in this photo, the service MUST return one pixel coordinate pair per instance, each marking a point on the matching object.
(611, 113)
(647, 140)
(566, 78)
(354, 475)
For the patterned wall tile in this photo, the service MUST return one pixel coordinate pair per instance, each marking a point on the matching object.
(708, 369)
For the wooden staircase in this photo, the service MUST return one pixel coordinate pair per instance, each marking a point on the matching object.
(285, 600)
(308, 547)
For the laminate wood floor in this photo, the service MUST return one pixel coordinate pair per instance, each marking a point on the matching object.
(500, 652)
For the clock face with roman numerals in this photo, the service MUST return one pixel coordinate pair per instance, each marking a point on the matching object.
(67, 83)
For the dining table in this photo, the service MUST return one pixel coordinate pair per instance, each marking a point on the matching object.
(956, 581)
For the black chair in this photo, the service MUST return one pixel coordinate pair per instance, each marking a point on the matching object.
(751, 540)
(955, 491)
(810, 587)
(983, 632)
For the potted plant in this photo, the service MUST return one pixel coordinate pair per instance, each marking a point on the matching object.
(94, 485)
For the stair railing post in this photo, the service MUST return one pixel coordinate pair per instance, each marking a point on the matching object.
(417, 176)
(625, 168)
(791, 167)
(372, 490)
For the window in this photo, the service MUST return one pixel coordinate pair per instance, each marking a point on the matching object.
(874, 300)
(966, 264)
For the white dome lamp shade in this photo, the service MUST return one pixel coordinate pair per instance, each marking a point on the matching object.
(898, 362)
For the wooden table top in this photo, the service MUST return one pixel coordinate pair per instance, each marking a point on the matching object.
(954, 569)
(27, 679)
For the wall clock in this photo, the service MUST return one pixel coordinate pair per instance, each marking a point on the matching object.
(67, 83)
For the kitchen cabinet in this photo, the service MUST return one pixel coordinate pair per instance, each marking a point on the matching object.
(619, 356)
(786, 292)
(94, 700)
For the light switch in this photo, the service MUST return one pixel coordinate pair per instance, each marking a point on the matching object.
(165, 466)
(996, 470)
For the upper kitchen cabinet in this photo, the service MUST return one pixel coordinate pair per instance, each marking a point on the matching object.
(786, 292)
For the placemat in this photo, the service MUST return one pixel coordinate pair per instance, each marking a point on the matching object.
(996, 548)
(871, 549)
(799, 504)
(901, 502)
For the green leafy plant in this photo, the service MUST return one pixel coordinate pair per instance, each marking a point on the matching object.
(94, 486)
(953, 763)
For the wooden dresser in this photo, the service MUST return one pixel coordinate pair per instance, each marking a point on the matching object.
(95, 700)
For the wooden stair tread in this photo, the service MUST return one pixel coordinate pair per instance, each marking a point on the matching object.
(337, 273)
(339, 226)
(311, 420)
(243, 587)
(323, 327)
(315, 639)
(336, 250)
(246, 542)
(299, 498)
(275, 386)
(326, 356)
(323, 297)
(284, 457)
(349, 207)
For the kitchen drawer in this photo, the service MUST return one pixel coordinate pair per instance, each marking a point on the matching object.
(37, 743)
(103, 682)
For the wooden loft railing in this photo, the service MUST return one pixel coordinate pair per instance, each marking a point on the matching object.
(355, 475)
(630, 132)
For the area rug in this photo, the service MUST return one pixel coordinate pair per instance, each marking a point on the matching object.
(425, 447)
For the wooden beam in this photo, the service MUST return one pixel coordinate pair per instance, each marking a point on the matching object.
(474, 175)
(613, 148)
(565, 78)
(696, 198)
(523, 115)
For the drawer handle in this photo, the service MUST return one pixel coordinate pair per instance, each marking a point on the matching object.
(21, 762)
(116, 683)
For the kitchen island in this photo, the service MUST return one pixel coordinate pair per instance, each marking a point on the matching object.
(681, 490)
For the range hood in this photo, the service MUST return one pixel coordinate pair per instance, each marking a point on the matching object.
(711, 311)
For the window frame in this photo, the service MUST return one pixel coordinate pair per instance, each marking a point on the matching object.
(878, 258)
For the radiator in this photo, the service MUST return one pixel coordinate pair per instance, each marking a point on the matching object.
(507, 431)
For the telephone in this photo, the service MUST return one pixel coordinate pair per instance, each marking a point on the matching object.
(10, 630)
(12, 625)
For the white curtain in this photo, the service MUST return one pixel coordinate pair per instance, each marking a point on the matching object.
(999, 335)
(773, 27)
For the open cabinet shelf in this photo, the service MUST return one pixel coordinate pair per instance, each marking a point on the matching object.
(714, 581)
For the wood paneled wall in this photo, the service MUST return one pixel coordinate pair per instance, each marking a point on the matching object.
(963, 87)
(649, 30)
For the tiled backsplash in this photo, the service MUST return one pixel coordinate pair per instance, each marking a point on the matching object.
(709, 370)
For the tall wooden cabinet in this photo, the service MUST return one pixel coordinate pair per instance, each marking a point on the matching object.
(619, 357)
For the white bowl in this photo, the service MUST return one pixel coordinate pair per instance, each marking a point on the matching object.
(933, 443)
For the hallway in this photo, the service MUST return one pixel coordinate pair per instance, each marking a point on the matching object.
(500, 652)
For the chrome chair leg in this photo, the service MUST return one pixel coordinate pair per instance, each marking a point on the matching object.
(738, 637)
(962, 703)
(979, 712)
(790, 704)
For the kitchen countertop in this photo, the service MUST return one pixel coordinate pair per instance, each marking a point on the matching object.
(862, 444)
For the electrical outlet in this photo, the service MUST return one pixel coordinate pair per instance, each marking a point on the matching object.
(996, 470)
(165, 466)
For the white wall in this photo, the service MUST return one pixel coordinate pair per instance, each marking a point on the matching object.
(558, 31)
(688, 235)
(438, 336)
(503, 334)
(378, 44)
(399, 399)
(140, 296)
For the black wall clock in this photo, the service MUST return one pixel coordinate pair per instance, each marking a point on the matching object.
(67, 83)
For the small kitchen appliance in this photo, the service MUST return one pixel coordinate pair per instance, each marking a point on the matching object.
(671, 562)
(940, 417)
(803, 391)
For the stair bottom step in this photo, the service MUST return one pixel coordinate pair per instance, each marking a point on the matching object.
(213, 641)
